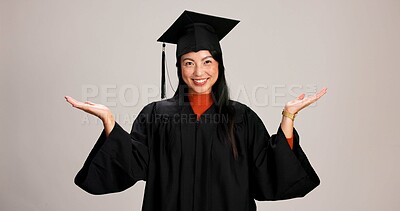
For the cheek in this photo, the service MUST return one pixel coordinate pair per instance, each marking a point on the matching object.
(185, 74)
(215, 72)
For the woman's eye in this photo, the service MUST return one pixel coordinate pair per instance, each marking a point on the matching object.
(208, 62)
(188, 63)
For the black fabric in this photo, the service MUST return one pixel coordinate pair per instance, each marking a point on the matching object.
(195, 31)
(186, 167)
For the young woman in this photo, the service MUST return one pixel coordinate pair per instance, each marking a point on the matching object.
(199, 150)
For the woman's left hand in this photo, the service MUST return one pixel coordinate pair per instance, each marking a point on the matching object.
(294, 106)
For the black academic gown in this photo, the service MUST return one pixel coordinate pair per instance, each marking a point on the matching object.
(188, 168)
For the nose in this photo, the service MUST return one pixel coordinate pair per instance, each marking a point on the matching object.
(198, 71)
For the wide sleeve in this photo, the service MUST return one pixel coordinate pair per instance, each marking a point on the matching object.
(118, 161)
(277, 171)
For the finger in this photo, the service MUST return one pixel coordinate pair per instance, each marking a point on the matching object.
(67, 97)
(321, 93)
(309, 100)
(301, 97)
(306, 101)
(317, 95)
(74, 102)
(89, 102)
(71, 100)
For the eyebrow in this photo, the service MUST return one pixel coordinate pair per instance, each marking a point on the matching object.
(207, 57)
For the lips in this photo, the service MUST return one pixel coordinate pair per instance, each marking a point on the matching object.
(200, 82)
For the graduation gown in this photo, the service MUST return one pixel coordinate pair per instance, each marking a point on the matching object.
(188, 168)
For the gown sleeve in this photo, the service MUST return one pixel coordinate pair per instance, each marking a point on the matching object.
(278, 172)
(118, 161)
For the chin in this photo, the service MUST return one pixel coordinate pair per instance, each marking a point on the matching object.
(200, 91)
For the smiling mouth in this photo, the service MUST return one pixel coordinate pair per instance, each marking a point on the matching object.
(200, 82)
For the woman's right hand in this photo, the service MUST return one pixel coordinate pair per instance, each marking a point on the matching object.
(101, 111)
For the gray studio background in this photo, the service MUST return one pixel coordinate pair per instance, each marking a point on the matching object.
(106, 51)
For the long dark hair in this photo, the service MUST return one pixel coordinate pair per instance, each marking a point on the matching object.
(221, 98)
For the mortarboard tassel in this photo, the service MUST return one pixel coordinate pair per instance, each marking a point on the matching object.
(163, 72)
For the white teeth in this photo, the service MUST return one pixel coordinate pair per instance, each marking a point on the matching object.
(200, 81)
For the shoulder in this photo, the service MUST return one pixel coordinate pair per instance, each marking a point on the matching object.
(238, 106)
(242, 111)
(166, 106)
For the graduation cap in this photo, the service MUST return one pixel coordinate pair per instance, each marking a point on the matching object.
(192, 32)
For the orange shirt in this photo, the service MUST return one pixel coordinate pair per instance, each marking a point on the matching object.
(290, 142)
(201, 102)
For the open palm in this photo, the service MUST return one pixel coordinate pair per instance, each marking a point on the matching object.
(95, 109)
(294, 106)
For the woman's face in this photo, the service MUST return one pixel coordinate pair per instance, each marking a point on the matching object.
(199, 71)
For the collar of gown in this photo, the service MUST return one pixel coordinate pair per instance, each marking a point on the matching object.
(200, 103)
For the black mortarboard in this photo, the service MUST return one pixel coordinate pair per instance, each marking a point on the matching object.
(193, 32)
